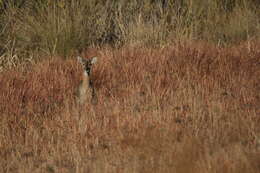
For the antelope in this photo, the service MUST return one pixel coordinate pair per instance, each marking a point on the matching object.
(86, 91)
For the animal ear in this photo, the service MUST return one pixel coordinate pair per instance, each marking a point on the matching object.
(80, 59)
(94, 60)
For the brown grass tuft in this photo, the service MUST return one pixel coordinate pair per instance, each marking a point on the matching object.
(39, 88)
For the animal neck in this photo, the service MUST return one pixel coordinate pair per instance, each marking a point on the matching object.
(85, 74)
(86, 80)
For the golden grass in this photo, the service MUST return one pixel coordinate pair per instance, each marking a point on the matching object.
(190, 107)
(30, 29)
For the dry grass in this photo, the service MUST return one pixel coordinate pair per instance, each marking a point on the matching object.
(30, 29)
(189, 107)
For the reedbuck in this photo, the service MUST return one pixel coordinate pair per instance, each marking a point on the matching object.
(86, 91)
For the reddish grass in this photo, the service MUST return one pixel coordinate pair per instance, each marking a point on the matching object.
(189, 107)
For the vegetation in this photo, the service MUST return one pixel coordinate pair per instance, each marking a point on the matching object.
(177, 84)
(31, 29)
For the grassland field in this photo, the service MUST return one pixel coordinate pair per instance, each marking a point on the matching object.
(178, 90)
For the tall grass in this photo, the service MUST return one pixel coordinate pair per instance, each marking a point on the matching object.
(32, 28)
(189, 107)
(177, 84)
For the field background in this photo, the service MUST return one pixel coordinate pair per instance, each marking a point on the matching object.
(178, 86)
